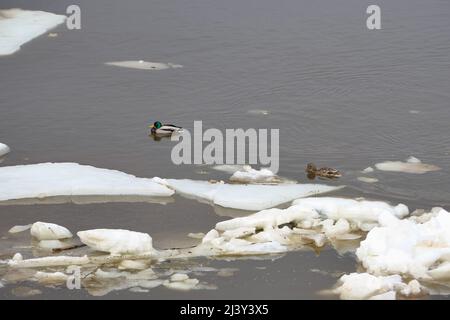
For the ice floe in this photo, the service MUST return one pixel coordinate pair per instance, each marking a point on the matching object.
(364, 214)
(411, 165)
(57, 179)
(258, 112)
(19, 26)
(17, 229)
(117, 241)
(246, 197)
(143, 65)
(249, 175)
(408, 248)
(49, 231)
(363, 286)
(4, 149)
(51, 261)
(308, 220)
(228, 168)
(400, 254)
(180, 281)
(368, 170)
(416, 248)
(367, 179)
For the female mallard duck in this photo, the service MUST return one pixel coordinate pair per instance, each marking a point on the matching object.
(313, 171)
(164, 129)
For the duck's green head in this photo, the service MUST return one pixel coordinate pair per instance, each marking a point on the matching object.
(156, 125)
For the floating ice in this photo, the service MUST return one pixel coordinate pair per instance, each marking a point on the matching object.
(57, 179)
(258, 112)
(246, 197)
(132, 265)
(17, 257)
(197, 235)
(51, 278)
(368, 170)
(180, 281)
(405, 247)
(308, 220)
(49, 231)
(17, 229)
(117, 241)
(143, 65)
(229, 168)
(4, 149)
(51, 261)
(359, 286)
(364, 214)
(19, 26)
(249, 175)
(54, 244)
(367, 179)
(412, 165)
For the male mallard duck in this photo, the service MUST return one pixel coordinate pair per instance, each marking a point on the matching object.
(312, 172)
(164, 129)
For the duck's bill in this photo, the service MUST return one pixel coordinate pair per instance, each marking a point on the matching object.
(151, 126)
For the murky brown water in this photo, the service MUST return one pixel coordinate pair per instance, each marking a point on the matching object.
(341, 96)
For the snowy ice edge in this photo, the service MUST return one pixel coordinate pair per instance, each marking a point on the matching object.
(44, 180)
(18, 27)
(72, 179)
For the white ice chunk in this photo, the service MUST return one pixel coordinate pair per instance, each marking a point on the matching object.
(359, 286)
(229, 168)
(19, 26)
(4, 149)
(54, 244)
(179, 277)
(368, 170)
(117, 241)
(249, 175)
(17, 257)
(59, 179)
(51, 261)
(362, 212)
(132, 265)
(196, 235)
(412, 165)
(49, 231)
(143, 65)
(258, 112)
(367, 179)
(408, 248)
(185, 285)
(276, 230)
(17, 229)
(51, 277)
(246, 197)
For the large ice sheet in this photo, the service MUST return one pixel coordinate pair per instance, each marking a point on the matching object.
(246, 197)
(19, 26)
(57, 179)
